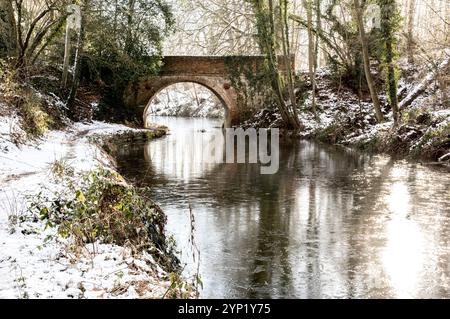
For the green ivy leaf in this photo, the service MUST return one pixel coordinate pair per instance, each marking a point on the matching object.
(44, 213)
(80, 196)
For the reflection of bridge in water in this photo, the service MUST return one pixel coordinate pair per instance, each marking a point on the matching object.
(178, 157)
(331, 223)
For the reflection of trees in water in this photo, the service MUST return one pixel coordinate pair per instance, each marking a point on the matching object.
(270, 262)
(132, 163)
(398, 231)
(320, 226)
(366, 188)
(231, 182)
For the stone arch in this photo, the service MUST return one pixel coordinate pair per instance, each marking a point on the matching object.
(212, 72)
(217, 85)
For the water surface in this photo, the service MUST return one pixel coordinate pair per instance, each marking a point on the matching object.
(332, 223)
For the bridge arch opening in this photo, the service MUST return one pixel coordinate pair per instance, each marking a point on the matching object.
(189, 98)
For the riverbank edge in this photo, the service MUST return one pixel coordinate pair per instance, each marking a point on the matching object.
(406, 141)
(421, 134)
(81, 147)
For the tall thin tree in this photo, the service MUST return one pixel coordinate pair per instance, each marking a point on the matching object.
(389, 24)
(410, 33)
(366, 58)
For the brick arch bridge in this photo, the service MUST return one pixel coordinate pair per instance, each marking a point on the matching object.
(212, 72)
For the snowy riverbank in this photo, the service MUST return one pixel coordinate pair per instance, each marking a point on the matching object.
(343, 118)
(36, 264)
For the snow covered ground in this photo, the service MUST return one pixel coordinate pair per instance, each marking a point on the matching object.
(31, 265)
(343, 118)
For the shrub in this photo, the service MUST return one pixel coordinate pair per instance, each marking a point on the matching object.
(24, 100)
(37, 121)
(333, 133)
(105, 209)
(434, 143)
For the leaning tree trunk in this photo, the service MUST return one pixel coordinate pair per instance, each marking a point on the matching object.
(430, 78)
(366, 58)
(269, 36)
(66, 62)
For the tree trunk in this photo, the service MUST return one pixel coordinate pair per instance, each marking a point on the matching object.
(8, 30)
(388, 25)
(277, 82)
(267, 36)
(66, 57)
(366, 58)
(78, 58)
(130, 19)
(319, 30)
(410, 34)
(418, 90)
(311, 52)
(392, 80)
(287, 60)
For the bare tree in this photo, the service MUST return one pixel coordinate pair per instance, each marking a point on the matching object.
(34, 21)
(410, 33)
(312, 56)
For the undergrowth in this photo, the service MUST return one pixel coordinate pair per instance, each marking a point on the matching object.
(103, 208)
(37, 115)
